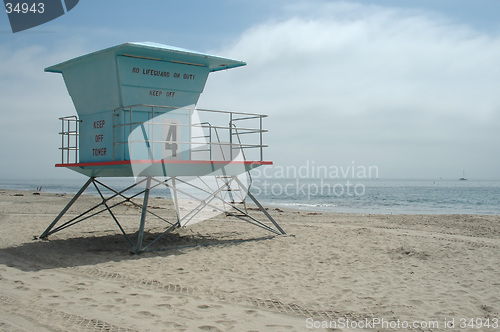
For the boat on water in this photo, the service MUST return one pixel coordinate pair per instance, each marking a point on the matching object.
(463, 178)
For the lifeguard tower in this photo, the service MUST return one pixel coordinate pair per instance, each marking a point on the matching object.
(137, 118)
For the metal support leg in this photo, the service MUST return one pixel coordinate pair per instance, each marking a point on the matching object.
(215, 194)
(66, 208)
(140, 236)
(262, 209)
(176, 201)
(112, 215)
(138, 248)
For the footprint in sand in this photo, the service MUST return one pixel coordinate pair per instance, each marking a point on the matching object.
(251, 312)
(46, 290)
(229, 324)
(148, 314)
(285, 327)
(141, 295)
(206, 306)
(487, 308)
(209, 328)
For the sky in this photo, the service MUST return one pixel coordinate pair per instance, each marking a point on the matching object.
(410, 87)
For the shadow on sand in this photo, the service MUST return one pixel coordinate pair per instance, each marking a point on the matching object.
(90, 250)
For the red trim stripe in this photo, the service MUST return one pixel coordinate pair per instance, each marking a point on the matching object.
(163, 161)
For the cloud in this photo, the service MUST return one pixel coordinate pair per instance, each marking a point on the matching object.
(341, 81)
(31, 103)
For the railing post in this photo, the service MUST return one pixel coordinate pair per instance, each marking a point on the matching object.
(210, 140)
(68, 141)
(114, 129)
(230, 135)
(77, 152)
(153, 140)
(130, 145)
(261, 145)
(62, 140)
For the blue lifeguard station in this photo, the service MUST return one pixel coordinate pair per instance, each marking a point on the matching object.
(137, 118)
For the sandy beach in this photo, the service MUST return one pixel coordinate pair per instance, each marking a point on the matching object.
(227, 275)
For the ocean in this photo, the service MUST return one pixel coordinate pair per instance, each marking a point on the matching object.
(367, 196)
(384, 196)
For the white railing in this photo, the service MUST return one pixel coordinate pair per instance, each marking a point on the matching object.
(213, 135)
(69, 139)
(206, 134)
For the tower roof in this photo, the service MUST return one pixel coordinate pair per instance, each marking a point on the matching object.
(160, 52)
